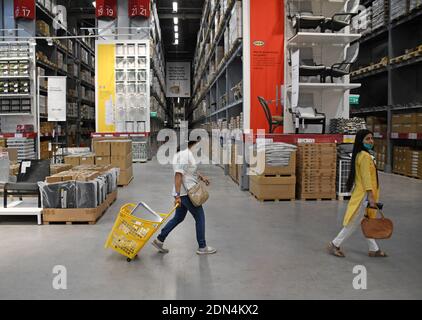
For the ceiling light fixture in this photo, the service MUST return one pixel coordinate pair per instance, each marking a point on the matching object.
(176, 35)
(94, 3)
(176, 42)
(174, 6)
(176, 28)
(176, 20)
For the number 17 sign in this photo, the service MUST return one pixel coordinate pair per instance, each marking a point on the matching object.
(24, 9)
(139, 8)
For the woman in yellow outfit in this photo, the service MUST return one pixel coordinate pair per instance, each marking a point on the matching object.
(364, 177)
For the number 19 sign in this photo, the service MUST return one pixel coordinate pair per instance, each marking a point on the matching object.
(106, 9)
(24, 9)
(139, 8)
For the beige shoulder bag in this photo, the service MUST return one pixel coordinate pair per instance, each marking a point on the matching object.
(198, 194)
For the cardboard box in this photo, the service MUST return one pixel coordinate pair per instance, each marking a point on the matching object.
(102, 148)
(87, 167)
(102, 161)
(57, 168)
(122, 162)
(87, 159)
(272, 188)
(72, 160)
(125, 176)
(121, 147)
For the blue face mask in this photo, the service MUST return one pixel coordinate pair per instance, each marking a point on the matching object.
(368, 146)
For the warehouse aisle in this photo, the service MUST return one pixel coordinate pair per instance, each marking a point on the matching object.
(266, 250)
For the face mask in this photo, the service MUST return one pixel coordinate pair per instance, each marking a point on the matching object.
(368, 146)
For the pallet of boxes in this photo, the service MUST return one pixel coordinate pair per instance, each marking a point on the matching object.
(273, 174)
(407, 162)
(82, 194)
(117, 153)
(316, 171)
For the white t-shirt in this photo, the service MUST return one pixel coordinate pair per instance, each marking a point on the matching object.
(184, 162)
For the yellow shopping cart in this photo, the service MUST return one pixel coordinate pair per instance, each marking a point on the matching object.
(130, 232)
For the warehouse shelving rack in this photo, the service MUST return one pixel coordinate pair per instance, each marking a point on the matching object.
(84, 126)
(326, 48)
(397, 84)
(227, 73)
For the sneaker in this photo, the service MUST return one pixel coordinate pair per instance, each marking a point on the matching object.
(206, 250)
(160, 246)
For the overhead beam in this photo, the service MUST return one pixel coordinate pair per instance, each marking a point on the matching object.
(188, 16)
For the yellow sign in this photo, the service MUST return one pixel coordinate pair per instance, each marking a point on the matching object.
(106, 88)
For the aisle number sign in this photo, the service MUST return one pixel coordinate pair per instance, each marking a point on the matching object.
(106, 9)
(354, 99)
(24, 9)
(139, 8)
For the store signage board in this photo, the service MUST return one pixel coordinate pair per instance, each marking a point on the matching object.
(56, 99)
(354, 99)
(178, 83)
(139, 8)
(349, 138)
(24, 9)
(106, 9)
(266, 56)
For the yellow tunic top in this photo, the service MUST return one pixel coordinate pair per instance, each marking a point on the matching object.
(365, 180)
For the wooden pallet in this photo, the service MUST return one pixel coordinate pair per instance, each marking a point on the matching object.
(78, 216)
(272, 200)
(125, 185)
(313, 198)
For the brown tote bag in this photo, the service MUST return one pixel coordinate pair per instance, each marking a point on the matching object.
(377, 228)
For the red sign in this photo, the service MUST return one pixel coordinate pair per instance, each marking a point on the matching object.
(139, 8)
(24, 9)
(106, 9)
(267, 60)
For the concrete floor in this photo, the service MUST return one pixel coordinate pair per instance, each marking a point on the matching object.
(266, 250)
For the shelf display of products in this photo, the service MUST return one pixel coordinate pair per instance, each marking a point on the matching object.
(128, 107)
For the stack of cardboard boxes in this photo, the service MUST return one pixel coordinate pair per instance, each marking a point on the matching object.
(316, 171)
(377, 124)
(407, 123)
(117, 153)
(274, 182)
(380, 148)
(407, 161)
(114, 153)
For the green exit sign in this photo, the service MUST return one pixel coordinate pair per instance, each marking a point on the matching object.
(354, 99)
(153, 114)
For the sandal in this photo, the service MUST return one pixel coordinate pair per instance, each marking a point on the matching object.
(377, 254)
(335, 251)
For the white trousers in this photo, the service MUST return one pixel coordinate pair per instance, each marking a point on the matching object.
(347, 231)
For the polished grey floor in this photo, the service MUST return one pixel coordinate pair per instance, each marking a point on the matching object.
(265, 250)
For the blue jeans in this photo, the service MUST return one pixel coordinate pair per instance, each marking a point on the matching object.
(197, 213)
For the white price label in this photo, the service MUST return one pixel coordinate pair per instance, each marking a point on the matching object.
(413, 136)
(124, 135)
(18, 135)
(394, 135)
(305, 140)
(108, 135)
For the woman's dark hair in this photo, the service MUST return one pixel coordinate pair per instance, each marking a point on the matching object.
(357, 147)
(191, 143)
